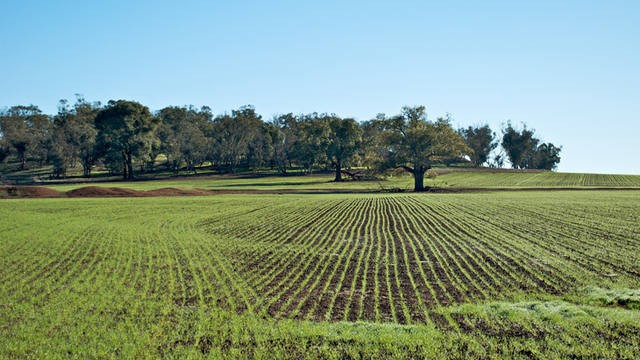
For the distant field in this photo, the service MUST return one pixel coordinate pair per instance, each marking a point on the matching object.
(502, 179)
(511, 274)
(455, 179)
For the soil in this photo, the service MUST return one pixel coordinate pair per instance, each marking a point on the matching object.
(31, 191)
(8, 192)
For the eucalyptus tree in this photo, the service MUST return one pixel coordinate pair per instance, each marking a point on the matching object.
(231, 136)
(519, 145)
(343, 143)
(310, 141)
(481, 141)
(25, 133)
(181, 132)
(525, 151)
(73, 137)
(125, 130)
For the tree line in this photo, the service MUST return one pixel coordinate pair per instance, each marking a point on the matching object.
(126, 138)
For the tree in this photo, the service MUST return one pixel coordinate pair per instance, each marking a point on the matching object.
(125, 131)
(344, 140)
(414, 144)
(276, 135)
(519, 146)
(309, 140)
(4, 149)
(525, 151)
(181, 134)
(74, 136)
(546, 156)
(481, 142)
(25, 132)
(232, 135)
(260, 150)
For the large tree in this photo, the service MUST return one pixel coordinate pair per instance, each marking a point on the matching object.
(25, 132)
(525, 151)
(232, 136)
(415, 143)
(276, 134)
(309, 140)
(519, 146)
(481, 141)
(546, 156)
(125, 131)
(182, 135)
(73, 137)
(344, 140)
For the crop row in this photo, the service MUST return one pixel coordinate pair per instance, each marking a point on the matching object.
(398, 258)
(385, 258)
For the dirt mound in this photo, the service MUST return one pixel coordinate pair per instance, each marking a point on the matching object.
(7, 192)
(177, 192)
(97, 191)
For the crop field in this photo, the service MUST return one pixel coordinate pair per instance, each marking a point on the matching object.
(513, 274)
(317, 183)
(545, 179)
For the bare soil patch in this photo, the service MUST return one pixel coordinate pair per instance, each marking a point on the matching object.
(97, 191)
(8, 192)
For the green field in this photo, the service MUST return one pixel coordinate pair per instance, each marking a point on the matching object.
(471, 275)
(544, 179)
(323, 183)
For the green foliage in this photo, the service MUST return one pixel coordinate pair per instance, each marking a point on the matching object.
(519, 145)
(481, 142)
(124, 134)
(125, 130)
(525, 151)
(546, 156)
(233, 135)
(73, 137)
(344, 140)
(181, 136)
(415, 144)
(309, 138)
(24, 134)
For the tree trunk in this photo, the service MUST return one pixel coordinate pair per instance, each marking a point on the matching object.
(23, 161)
(86, 170)
(128, 166)
(418, 178)
(338, 171)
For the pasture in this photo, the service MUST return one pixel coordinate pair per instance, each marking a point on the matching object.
(524, 274)
(446, 179)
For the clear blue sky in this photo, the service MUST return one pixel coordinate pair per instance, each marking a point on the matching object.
(568, 69)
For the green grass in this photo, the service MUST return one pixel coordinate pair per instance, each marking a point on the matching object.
(546, 179)
(457, 179)
(505, 274)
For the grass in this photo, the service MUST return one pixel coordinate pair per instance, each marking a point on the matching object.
(474, 275)
(453, 180)
(544, 179)
(625, 298)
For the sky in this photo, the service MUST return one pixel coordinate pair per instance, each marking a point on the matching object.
(568, 69)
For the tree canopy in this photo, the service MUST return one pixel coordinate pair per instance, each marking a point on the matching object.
(125, 130)
(125, 137)
(414, 143)
(525, 151)
(481, 142)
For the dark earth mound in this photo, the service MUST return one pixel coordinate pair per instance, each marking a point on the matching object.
(7, 192)
(97, 191)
